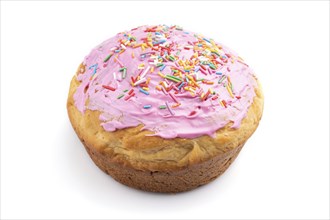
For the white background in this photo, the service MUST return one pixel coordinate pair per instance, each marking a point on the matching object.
(283, 170)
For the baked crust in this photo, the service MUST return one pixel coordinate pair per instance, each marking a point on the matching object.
(156, 164)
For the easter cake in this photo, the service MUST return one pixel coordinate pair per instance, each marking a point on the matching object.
(163, 109)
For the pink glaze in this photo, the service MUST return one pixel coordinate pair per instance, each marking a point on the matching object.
(194, 116)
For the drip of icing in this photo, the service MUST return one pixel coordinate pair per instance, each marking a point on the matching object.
(222, 93)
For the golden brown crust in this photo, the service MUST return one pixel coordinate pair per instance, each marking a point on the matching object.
(170, 181)
(156, 164)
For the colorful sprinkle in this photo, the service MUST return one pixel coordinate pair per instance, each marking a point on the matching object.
(173, 78)
(230, 91)
(95, 67)
(147, 106)
(108, 57)
(229, 83)
(145, 72)
(143, 91)
(215, 97)
(204, 97)
(129, 96)
(164, 91)
(208, 82)
(173, 97)
(108, 87)
(223, 103)
(221, 79)
(162, 75)
(159, 42)
(120, 96)
(120, 63)
(180, 86)
(206, 40)
(162, 67)
(140, 81)
(212, 66)
(131, 91)
(169, 109)
(176, 105)
(172, 58)
(124, 74)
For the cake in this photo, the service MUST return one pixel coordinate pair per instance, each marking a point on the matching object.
(163, 109)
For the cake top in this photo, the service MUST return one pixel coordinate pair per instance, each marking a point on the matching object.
(175, 83)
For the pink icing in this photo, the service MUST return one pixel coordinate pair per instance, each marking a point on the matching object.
(196, 115)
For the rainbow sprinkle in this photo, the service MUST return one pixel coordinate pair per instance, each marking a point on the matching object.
(108, 57)
(162, 67)
(173, 97)
(95, 67)
(143, 91)
(169, 109)
(108, 87)
(124, 72)
(120, 96)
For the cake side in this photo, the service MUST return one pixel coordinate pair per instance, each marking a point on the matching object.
(169, 180)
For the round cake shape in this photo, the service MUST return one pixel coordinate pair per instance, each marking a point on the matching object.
(162, 109)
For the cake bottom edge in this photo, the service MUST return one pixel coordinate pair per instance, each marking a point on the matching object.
(174, 181)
